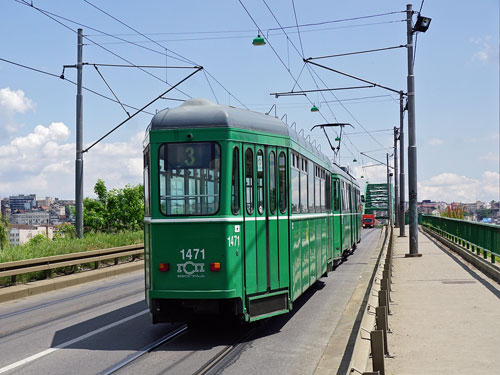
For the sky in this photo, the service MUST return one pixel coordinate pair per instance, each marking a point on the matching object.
(456, 78)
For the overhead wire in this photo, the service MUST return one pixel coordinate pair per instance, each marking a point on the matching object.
(269, 33)
(52, 17)
(317, 86)
(278, 56)
(173, 54)
(70, 81)
(163, 47)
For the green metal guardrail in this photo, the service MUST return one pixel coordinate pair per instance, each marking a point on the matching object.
(477, 237)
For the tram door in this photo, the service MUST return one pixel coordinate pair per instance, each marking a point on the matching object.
(256, 256)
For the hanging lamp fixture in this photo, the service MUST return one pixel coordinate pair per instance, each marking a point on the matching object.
(258, 41)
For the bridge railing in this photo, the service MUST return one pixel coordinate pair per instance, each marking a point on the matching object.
(478, 237)
(21, 267)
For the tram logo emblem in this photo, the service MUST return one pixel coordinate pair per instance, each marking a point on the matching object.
(190, 269)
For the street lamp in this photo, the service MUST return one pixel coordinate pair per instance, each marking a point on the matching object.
(422, 24)
(258, 41)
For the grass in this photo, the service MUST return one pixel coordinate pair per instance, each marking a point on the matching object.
(91, 241)
(60, 246)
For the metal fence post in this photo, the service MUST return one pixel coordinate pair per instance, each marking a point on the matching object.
(377, 347)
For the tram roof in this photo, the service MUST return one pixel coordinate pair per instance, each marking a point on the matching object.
(202, 113)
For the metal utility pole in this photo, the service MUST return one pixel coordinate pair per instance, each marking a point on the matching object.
(396, 179)
(412, 138)
(401, 212)
(389, 195)
(79, 141)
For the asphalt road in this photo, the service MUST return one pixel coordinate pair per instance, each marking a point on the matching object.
(88, 329)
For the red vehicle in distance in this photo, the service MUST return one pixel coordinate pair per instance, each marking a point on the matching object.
(368, 221)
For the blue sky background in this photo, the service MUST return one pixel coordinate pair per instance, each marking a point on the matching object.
(456, 70)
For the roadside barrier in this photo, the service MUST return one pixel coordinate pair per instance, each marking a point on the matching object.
(20, 267)
(474, 248)
(469, 251)
(375, 321)
(472, 235)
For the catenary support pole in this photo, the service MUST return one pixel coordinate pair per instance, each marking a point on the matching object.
(396, 179)
(401, 167)
(79, 141)
(389, 202)
(412, 141)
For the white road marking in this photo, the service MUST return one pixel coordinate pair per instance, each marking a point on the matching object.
(68, 343)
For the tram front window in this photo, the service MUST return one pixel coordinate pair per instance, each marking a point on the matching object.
(189, 178)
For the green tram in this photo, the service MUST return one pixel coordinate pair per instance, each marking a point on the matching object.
(242, 213)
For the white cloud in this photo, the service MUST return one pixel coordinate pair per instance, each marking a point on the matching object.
(451, 187)
(435, 141)
(487, 52)
(42, 162)
(12, 102)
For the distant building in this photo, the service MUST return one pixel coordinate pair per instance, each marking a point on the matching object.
(428, 208)
(31, 218)
(22, 202)
(20, 234)
(48, 202)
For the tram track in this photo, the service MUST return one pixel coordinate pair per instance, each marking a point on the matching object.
(147, 349)
(225, 356)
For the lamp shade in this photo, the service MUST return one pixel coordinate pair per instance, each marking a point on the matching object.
(258, 41)
(314, 108)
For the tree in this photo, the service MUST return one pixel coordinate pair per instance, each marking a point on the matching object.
(115, 209)
(4, 232)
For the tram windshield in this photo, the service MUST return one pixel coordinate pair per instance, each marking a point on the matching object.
(189, 178)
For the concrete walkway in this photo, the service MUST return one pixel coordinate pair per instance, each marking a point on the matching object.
(446, 314)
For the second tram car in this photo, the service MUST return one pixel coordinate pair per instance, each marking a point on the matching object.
(242, 213)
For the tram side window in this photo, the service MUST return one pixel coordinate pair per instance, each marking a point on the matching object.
(235, 182)
(344, 203)
(310, 191)
(260, 182)
(317, 190)
(282, 182)
(336, 196)
(189, 178)
(322, 189)
(249, 180)
(272, 182)
(303, 185)
(295, 186)
(328, 192)
(147, 190)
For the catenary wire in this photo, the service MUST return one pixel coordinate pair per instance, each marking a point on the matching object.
(124, 41)
(52, 17)
(70, 81)
(312, 76)
(163, 47)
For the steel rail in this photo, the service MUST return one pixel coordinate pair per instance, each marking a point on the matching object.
(215, 364)
(147, 349)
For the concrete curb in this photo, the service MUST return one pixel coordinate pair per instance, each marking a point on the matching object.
(360, 360)
(481, 264)
(37, 287)
(340, 348)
